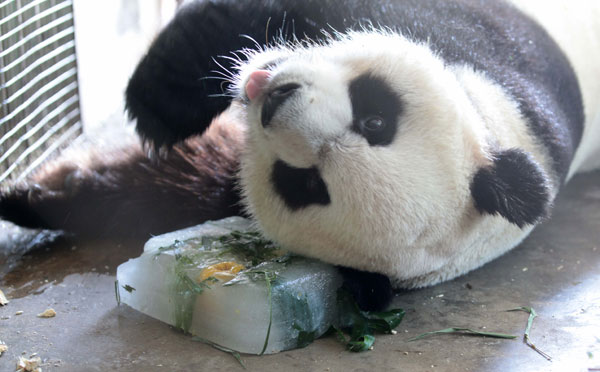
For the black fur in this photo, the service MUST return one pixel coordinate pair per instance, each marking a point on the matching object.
(299, 187)
(373, 99)
(171, 100)
(371, 291)
(14, 207)
(514, 187)
(134, 197)
(274, 99)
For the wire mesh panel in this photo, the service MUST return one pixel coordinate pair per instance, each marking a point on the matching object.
(39, 112)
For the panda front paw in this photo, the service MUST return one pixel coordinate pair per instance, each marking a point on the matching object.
(371, 291)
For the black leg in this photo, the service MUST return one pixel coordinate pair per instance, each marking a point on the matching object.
(371, 291)
(124, 194)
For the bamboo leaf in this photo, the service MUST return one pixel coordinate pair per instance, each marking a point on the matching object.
(384, 322)
(234, 353)
(128, 288)
(363, 324)
(339, 335)
(526, 337)
(268, 278)
(362, 343)
(467, 331)
(117, 293)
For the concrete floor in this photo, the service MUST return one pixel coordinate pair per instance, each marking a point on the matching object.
(556, 271)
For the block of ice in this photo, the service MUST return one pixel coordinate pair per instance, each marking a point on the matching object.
(222, 282)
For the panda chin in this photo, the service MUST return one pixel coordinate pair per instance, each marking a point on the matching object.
(299, 187)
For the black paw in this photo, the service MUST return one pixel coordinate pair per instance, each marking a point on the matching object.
(15, 206)
(371, 291)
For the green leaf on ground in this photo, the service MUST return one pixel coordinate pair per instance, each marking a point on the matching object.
(362, 325)
(463, 331)
(234, 353)
(526, 337)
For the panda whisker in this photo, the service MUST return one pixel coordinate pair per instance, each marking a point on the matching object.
(222, 73)
(235, 60)
(228, 95)
(222, 67)
(256, 44)
(228, 75)
(221, 85)
(214, 78)
(267, 31)
(248, 53)
(281, 36)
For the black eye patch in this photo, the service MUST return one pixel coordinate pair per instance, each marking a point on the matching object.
(375, 109)
(299, 187)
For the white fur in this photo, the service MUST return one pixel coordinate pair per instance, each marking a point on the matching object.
(405, 209)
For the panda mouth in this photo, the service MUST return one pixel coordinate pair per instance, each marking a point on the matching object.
(299, 187)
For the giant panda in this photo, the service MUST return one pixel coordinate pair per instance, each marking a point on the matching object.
(407, 141)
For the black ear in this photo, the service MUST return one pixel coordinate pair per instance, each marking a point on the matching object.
(514, 187)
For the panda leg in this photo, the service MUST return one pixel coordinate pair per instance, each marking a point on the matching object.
(371, 291)
(119, 193)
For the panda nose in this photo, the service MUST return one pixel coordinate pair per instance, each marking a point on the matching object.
(274, 99)
(256, 83)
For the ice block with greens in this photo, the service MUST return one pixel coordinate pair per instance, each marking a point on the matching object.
(224, 283)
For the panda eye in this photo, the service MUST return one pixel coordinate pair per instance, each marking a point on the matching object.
(376, 109)
(373, 124)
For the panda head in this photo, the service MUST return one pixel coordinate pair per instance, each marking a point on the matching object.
(363, 152)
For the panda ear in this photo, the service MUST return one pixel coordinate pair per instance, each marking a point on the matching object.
(514, 187)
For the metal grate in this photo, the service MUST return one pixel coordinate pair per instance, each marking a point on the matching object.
(39, 111)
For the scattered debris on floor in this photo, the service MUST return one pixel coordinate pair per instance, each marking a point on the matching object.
(48, 313)
(3, 348)
(29, 365)
(3, 300)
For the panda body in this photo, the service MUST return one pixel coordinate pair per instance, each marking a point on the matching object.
(418, 199)
(575, 29)
(418, 139)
